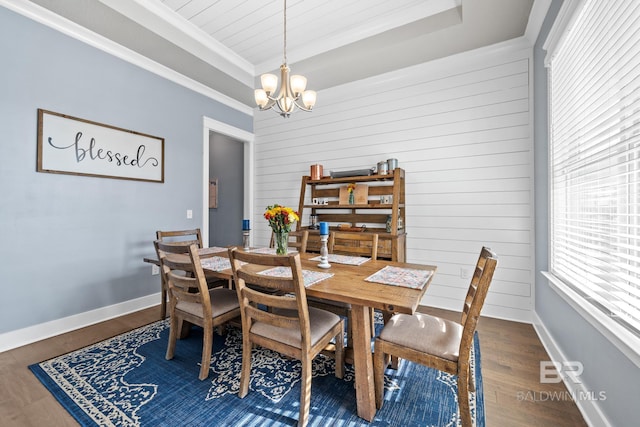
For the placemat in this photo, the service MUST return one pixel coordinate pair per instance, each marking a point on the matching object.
(398, 276)
(216, 263)
(343, 259)
(309, 276)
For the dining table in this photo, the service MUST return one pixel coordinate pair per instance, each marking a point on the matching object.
(396, 287)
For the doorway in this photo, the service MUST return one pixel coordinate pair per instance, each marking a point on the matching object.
(226, 177)
(232, 138)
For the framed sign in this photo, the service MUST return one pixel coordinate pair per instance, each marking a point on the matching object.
(74, 146)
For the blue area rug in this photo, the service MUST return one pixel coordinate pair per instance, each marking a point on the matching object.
(126, 381)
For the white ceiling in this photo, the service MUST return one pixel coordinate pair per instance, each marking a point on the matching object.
(225, 44)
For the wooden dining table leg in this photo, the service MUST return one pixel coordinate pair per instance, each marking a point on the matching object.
(363, 362)
(163, 299)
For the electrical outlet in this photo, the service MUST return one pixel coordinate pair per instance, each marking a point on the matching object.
(465, 273)
(155, 270)
(189, 214)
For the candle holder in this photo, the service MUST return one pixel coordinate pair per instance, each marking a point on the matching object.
(324, 252)
(246, 239)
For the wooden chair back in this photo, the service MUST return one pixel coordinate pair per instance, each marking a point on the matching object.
(350, 243)
(181, 236)
(277, 301)
(297, 239)
(181, 247)
(474, 300)
(174, 242)
(190, 287)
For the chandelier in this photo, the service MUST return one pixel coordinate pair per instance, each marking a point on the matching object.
(292, 89)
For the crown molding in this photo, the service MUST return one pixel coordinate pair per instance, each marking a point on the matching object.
(539, 11)
(46, 17)
(160, 19)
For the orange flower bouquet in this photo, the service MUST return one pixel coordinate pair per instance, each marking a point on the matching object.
(280, 219)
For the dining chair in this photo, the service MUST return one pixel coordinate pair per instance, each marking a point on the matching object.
(181, 239)
(436, 342)
(297, 239)
(290, 327)
(348, 243)
(191, 300)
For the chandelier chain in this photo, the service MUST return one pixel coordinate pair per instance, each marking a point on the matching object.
(285, 31)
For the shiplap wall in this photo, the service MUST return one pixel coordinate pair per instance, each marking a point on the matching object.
(461, 129)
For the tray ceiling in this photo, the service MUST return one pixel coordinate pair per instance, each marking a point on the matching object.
(225, 44)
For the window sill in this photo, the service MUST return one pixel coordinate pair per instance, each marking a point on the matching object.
(622, 339)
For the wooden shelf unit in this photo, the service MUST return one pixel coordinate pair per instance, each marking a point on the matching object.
(391, 245)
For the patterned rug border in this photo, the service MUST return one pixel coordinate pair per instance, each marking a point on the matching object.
(219, 380)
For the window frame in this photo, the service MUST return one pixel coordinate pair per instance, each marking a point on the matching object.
(622, 338)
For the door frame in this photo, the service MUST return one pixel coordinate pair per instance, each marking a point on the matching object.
(247, 138)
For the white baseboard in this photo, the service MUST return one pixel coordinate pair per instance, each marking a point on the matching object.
(28, 335)
(589, 408)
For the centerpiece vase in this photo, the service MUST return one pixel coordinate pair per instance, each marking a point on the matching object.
(281, 242)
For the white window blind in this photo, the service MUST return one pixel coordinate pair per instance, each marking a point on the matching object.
(595, 158)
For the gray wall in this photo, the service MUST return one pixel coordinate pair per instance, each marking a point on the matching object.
(605, 368)
(74, 243)
(226, 160)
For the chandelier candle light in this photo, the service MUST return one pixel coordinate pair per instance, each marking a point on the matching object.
(246, 234)
(324, 253)
(292, 89)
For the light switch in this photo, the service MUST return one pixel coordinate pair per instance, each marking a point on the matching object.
(189, 214)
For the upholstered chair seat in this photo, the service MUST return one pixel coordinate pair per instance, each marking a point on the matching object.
(323, 322)
(423, 333)
(225, 300)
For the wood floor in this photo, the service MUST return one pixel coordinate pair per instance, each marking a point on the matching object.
(511, 353)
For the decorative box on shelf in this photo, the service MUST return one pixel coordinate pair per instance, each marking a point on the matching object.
(359, 194)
